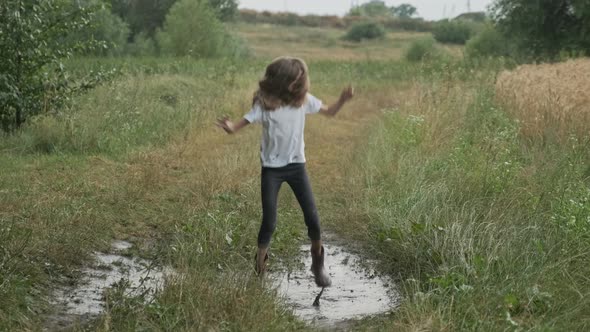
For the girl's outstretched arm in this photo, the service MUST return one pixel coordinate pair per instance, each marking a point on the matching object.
(230, 127)
(345, 96)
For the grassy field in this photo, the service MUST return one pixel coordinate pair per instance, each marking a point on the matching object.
(427, 170)
(271, 41)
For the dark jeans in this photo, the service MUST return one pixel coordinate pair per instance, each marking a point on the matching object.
(296, 176)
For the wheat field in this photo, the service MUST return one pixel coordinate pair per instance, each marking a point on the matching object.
(550, 100)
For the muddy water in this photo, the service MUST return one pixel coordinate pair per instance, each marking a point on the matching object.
(356, 291)
(85, 300)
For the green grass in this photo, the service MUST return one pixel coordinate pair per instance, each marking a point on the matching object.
(139, 159)
(483, 230)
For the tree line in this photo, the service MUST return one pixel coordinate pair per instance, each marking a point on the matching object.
(37, 35)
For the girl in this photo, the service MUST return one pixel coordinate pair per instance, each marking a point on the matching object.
(280, 105)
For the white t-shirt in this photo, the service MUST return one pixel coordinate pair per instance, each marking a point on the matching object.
(282, 132)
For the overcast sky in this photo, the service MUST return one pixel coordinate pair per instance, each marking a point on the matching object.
(428, 9)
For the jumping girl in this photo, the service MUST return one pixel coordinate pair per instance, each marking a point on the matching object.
(281, 105)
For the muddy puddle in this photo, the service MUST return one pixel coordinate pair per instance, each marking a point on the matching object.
(356, 291)
(84, 301)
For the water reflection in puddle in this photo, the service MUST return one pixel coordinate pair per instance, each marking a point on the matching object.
(355, 292)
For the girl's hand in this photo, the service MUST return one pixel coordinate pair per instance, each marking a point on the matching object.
(225, 124)
(347, 94)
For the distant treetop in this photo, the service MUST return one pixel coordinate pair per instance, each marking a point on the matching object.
(473, 16)
(375, 8)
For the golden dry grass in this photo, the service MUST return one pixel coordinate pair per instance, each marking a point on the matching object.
(550, 100)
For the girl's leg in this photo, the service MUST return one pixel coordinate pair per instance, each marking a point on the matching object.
(299, 182)
(270, 184)
(269, 187)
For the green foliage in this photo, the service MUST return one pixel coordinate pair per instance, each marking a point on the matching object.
(226, 10)
(376, 8)
(371, 8)
(142, 15)
(142, 45)
(34, 37)
(106, 28)
(192, 29)
(545, 28)
(365, 30)
(453, 32)
(404, 11)
(488, 43)
(422, 49)
(474, 17)
(147, 16)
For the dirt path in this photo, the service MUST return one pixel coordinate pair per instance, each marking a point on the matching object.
(203, 161)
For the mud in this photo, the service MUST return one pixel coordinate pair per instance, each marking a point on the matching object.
(85, 300)
(356, 292)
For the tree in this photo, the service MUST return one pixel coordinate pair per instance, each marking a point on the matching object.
(226, 10)
(192, 29)
(32, 76)
(106, 28)
(544, 28)
(147, 16)
(379, 8)
(142, 15)
(371, 8)
(404, 11)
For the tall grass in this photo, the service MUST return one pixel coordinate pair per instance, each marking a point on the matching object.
(484, 231)
(550, 100)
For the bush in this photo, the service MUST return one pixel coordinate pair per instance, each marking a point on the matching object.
(191, 29)
(422, 49)
(142, 45)
(488, 43)
(453, 32)
(408, 24)
(365, 30)
(105, 28)
(33, 78)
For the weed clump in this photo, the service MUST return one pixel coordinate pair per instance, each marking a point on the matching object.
(453, 32)
(422, 49)
(365, 30)
(488, 43)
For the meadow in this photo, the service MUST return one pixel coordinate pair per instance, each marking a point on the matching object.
(432, 171)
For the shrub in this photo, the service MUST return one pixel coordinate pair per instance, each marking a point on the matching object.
(365, 30)
(142, 45)
(33, 78)
(105, 28)
(488, 43)
(422, 49)
(408, 24)
(453, 32)
(191, 29)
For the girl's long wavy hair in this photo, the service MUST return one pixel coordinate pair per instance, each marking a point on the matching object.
(285, 83)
